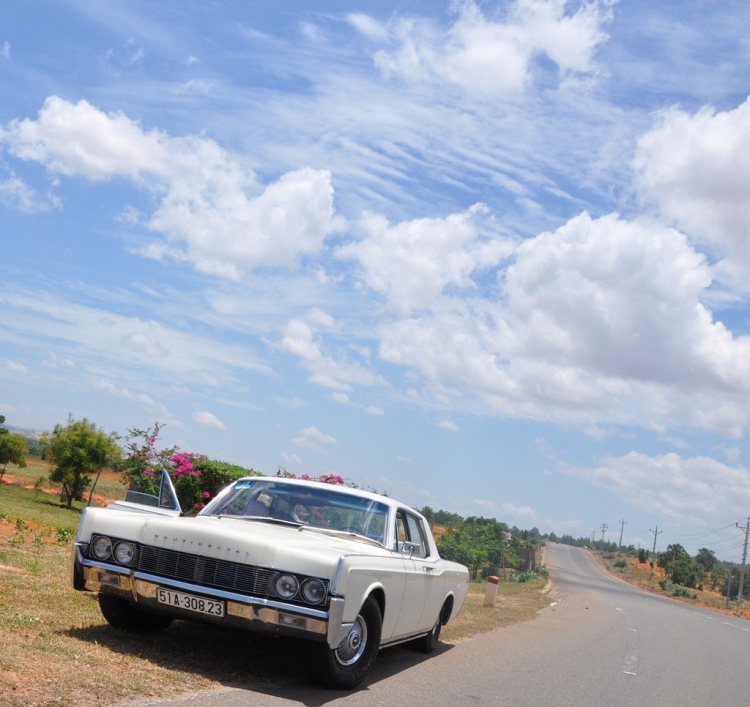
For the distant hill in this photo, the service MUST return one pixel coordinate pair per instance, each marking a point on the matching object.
(31, 435)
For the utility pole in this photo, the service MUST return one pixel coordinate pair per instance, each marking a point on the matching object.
(603, 528)
(623, 523)
(593, 533)
(653, 554)
(746, 530)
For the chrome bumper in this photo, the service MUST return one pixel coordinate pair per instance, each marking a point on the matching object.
(242, 612)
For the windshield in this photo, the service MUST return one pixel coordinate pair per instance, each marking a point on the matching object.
(305, 505)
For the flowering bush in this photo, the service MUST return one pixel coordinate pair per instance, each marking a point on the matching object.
(333, 479)
(143, 462)
(196, 478)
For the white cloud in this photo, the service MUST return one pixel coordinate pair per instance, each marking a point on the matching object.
(15, 192)
(448, 425)
(15, 367)
(142, 400)
(194, 87)
(301, 337)
(204, 214)
(670, 485)
(5, 53)
(119, 340)
(367, 26)
(413, 262)
(492, 57)
(599, 320)
(290, 458)
(207, 419)
(311, 438)
(375, 410)
(695, 168)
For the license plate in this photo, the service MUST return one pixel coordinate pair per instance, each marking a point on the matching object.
(200, 605)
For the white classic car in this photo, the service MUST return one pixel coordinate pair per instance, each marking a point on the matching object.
(348, 570)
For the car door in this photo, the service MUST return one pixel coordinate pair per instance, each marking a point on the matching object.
(410, 542)
(431, 567)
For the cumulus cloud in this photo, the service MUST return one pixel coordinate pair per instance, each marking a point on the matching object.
(413, 262)
(695, 167)
(212, 212)
(491, 57)
(698, 487)
(599, 320)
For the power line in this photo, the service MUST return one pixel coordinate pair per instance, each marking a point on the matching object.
(701, 535)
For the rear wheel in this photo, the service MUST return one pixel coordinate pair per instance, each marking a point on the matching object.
(428, 642)
(120, 614)
(345, 666)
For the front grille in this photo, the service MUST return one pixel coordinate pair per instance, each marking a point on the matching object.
(216, 574)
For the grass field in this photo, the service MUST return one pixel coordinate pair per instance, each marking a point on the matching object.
(58, 650)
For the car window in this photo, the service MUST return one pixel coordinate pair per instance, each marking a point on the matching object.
(400, 537)
(416, 535)
(315, 506)
(409, 529)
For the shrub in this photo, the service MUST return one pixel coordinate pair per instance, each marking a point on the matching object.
(622, 562)
(525, 576)
(64, 535)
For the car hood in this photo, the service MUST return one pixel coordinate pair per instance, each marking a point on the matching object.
(253, 542)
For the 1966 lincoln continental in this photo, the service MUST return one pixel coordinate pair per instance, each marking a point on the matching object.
(348, 570)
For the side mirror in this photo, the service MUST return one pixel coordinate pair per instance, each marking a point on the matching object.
(411, 547)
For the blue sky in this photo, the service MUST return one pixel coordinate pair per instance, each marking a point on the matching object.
(491, 257)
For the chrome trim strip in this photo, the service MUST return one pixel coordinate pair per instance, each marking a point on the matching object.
(231, 596)
(119, 569)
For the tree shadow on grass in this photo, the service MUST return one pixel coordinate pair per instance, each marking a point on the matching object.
(253, 662)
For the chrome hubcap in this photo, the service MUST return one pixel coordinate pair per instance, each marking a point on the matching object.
(351, 648)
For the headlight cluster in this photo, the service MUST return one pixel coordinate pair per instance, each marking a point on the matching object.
(288, 587)
(109, 549)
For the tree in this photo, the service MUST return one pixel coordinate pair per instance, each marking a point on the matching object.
(706, 559)
(79, 449)
(474, 544)
(684, 570)
(12, 450)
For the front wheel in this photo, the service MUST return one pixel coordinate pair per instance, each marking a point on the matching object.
(120, 614)
(345, 666)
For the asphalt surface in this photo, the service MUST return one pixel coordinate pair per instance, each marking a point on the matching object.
(602, 643)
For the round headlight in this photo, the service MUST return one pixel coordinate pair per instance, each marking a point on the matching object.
(313, 591)
(124, 552)
(102, 548)
(286, 586)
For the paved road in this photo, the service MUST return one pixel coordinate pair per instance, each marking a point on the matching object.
(602, 644)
